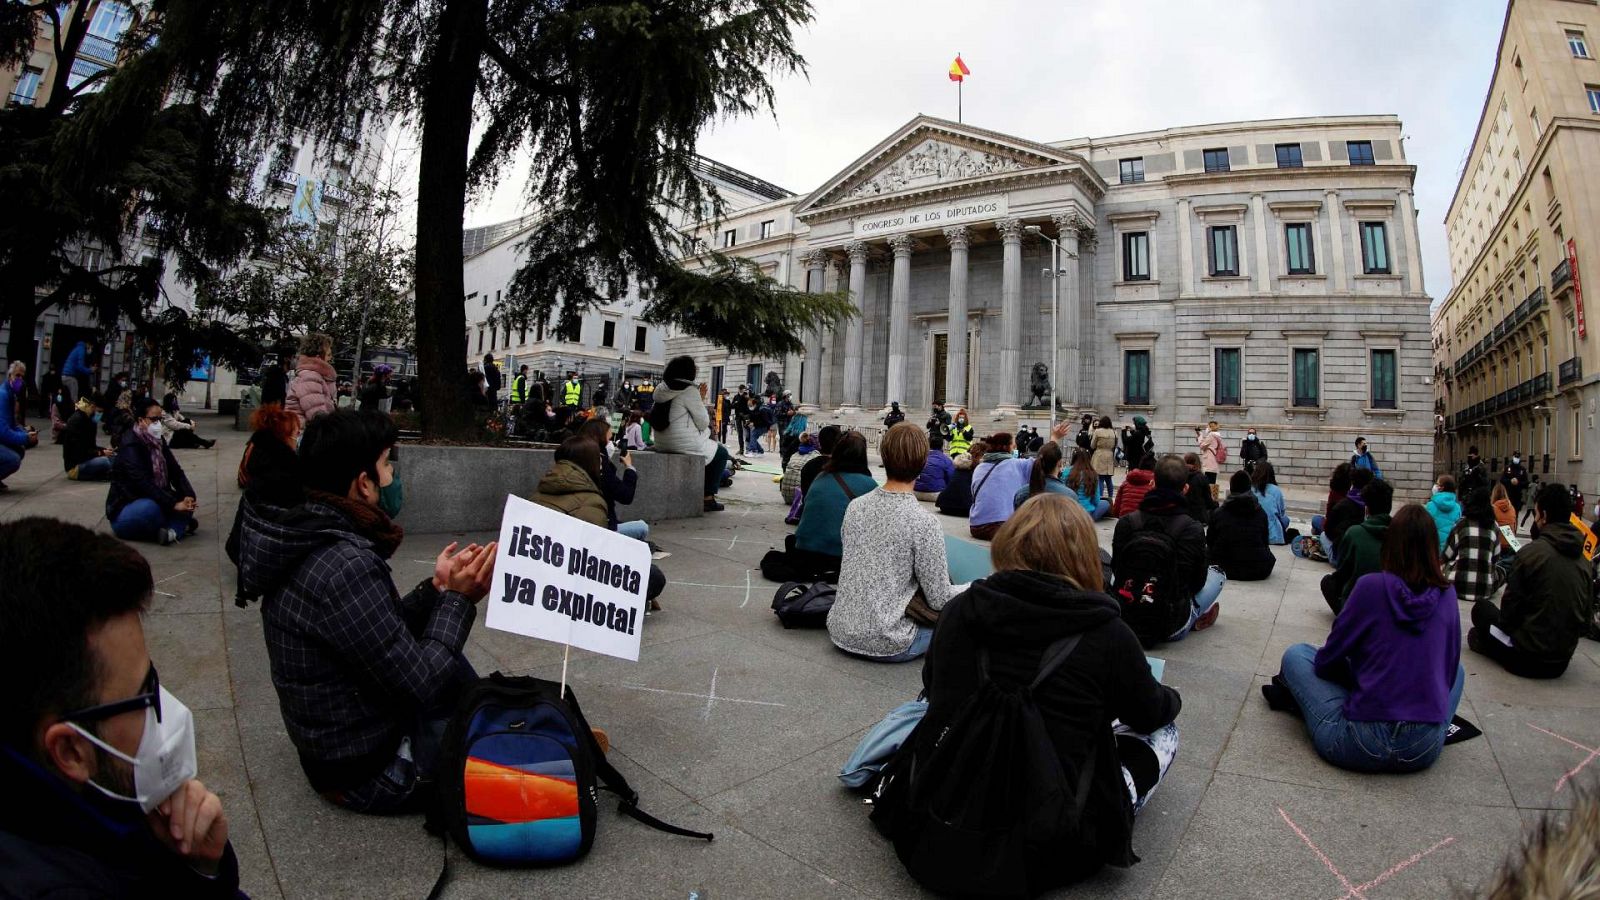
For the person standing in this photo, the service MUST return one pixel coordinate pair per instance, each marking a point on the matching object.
(1515, 478)
(376, 390)
(1363, 458)
(519, 387)
(491, 376)
(724, 413)
(77, 368)
(274, 382)
(938, 423)
(1208, 441)
(572, 391)
(1085, 426)
(314, 391)
(1252, 450)
(1474, 474)
(895, 416)
(1103, 443)
(741, 418)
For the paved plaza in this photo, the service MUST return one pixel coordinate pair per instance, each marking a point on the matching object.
(728, 723)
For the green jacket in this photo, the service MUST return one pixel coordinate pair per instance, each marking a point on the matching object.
(1360, 553)
(569, 489)
(1548, 596)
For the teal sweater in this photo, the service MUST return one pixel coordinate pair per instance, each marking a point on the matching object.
(822, 516)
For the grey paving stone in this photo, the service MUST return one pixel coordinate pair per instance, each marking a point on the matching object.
(192, 657)
(1535, 747)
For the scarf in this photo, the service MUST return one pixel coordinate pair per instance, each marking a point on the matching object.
(158, 456)
(368, 521)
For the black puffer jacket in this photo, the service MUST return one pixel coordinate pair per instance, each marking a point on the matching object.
(1236, 539)
(1016, 615)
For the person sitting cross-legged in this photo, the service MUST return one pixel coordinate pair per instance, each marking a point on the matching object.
(1360, 550)
(1158, 554)
(893, 553)
(366, 678)
(815, 549)
(97, 759)
(81, 456)
(1548, 598)
(1380, 693)
(1237, 538)
(150, 497)
(1474, 549)
(1104, 713)
(936, 473)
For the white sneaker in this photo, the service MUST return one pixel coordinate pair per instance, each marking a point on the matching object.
(167, 536)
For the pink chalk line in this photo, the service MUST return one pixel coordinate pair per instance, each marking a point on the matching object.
(1351, 890)
(1593, 754)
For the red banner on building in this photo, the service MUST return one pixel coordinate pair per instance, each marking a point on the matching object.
(1577, 286)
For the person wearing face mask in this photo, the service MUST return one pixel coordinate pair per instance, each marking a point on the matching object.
(97, 759)
(366, 678)
(1475, 474)
(1363, 459)
(1515, 478)
(150, 497)
(84, 459)
(15, 439)
(269, 475)
(1252, 450)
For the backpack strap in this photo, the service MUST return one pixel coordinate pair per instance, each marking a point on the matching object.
(979, 486)
(1054, 656)
(843, 486)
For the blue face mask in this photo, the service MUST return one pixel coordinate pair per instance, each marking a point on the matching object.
(97, 417)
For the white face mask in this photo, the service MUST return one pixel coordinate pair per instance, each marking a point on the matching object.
(1435, 490)
(165, 758)
(1516, 460)
(155, 429)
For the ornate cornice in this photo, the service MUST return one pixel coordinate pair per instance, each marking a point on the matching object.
(857, 251)
(814, 259)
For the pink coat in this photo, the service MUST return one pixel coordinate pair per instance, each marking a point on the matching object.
(314, 390)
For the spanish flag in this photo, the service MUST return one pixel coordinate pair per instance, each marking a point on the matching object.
(959, 70)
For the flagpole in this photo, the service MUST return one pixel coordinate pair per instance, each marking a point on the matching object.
(958, 100)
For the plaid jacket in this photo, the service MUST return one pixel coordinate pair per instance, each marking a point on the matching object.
(353, 661)
(1469, 552)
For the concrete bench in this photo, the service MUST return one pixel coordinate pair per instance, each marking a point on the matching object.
(458, 489)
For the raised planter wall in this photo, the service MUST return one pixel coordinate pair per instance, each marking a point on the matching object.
(452, 489)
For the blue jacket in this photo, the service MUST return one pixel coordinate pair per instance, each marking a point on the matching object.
(1051, 486)
(994, 487)
(1445, 507)
(1365, 461)
(133, 478)
(1277, 513)
(77, 364)
(822, 517)
(11, 434)
(936, 472)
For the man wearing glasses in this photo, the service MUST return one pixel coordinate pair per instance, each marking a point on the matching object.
(97, 759)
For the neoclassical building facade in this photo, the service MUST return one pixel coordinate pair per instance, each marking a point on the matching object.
(1263, 274)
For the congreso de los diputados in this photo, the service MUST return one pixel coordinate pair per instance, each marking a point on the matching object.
(1263, 274)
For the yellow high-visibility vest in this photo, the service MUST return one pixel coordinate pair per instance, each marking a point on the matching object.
(573, 392)
(519, 389)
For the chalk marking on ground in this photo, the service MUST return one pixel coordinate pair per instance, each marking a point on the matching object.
(746, 589)
(640, 687)
(167, 579)
(1354, 891)
(1593, 755)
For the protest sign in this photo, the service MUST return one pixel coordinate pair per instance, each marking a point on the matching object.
(562, 580)
(1589, 540)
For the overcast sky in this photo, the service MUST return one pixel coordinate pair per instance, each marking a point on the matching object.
(1049, 71)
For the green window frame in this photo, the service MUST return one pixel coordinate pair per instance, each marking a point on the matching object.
(1307, 377)
(1375, 248)
(1226, 377)
(1224, 246)
(1136, 377)
(1385, 379)
(1302, 255)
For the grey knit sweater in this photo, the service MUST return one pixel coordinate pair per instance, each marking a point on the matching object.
(891, 547)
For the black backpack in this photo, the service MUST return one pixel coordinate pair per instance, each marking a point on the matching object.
(990, 811)
(799, 605)
(1146, 572)
(519, 774)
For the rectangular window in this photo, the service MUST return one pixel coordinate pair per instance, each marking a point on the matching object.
(639, 336)
(27, 89)
(1225, 382)
(1289, 156)
(1216, 159)
(1577, 435)
(1136, 377)
(1576, 43)
(1302, 261)
(729, 237)
(1224, 244)
(608, 334)
(1307, 378)
(480, 338)
(1136, 256)
(752, 377)
(1360, 152)
(1594, 97)
(1533, 115)
(767, 227)
(494, 336)
(1132, 170)
(1374, 248)
(577, 332)
(1383, 379)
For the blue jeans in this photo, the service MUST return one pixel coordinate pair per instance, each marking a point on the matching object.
(97, 469)
(1101, 507)
(1105, 487)
(638, 529)
(1328, 548)
(1316, 524)
(1361, 746)
(919, 646)
(753, 445)
(10, 462)
(1204, 600)
(142, 520)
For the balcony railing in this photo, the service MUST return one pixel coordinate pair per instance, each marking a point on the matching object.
(16, 99)
(1561, 275)
(1570, 371)
(98, 49)
(1535, 301)
(1535, 388)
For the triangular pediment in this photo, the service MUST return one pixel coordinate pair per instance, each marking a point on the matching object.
(933, 153)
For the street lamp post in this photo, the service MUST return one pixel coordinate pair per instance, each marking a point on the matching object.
(1055, 274)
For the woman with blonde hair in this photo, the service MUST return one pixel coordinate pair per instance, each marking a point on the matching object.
(314, 390)
(1043, 613)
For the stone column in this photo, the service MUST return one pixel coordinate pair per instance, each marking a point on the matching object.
(1258, 209)
(1069, 325)
(816, 263)
(852, 335)
(1336, 249)
(1408, 231)
(1010, 394)
(955, 379)
(899, 318)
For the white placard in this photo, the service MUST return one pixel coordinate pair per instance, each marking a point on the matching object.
(566, 581)
(935, 215)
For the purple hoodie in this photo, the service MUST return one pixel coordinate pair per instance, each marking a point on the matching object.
(1397, 649)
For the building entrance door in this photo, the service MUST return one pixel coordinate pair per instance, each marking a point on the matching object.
(941, 370)
(941, 364)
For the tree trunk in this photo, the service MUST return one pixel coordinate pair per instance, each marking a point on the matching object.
(452, 81)
(18, 309)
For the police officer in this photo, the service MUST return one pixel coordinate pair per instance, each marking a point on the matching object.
(572, 390)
